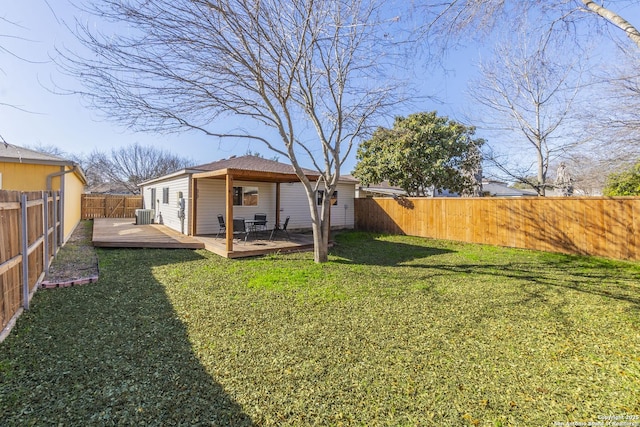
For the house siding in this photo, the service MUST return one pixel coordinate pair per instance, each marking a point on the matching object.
(211, 203)
(33, 177)
(168, 212)
(28, 177)
(73, 189)
(294, 203)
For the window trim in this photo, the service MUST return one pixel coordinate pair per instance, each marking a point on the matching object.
(320, 195)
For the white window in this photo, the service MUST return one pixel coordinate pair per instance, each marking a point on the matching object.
(334, 198)
(165, 195)
(245, 196)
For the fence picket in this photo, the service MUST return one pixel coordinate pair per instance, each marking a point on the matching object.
(109, 206)
(599, 226)
(24, 231)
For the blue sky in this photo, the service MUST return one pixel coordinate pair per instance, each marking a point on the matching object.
(29, 79)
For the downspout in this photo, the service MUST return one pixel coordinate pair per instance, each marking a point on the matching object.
(49, 188)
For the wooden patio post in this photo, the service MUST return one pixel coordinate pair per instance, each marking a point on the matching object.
(229, 211)
(277, 223)
(193, 208)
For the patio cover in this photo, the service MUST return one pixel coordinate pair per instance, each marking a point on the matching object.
(246, 168)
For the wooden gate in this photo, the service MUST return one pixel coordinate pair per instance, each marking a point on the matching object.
(110, 206)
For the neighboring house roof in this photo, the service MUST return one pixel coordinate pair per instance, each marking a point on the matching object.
(10, 153)
(501, 189)
(379, 189)
(491, 187)
(382, 189)
(248, 164)
(14, 154)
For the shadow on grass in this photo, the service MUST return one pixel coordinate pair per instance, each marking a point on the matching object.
(596, 276)
(110, 353)
(601, 279)
(349, 246)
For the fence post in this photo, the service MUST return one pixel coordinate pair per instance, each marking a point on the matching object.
(45, 225)
(55, 223)
(25, 252)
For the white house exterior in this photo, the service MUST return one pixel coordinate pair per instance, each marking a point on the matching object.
(205, 197)
(163, 195)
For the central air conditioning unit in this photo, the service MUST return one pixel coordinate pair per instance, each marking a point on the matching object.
(144, 216)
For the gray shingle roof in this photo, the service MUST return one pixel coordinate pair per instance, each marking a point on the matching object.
(13, 153)
(245, 163)
(251, 163)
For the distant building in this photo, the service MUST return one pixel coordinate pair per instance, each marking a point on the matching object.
(383, 189)
(494, 188)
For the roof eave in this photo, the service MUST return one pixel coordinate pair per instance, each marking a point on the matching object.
(187, 171)
(37, 161)
(252, 175)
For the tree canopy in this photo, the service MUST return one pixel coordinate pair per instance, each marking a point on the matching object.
(422, 153)
(626, 183)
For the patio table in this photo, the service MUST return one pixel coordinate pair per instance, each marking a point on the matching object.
(251, 224)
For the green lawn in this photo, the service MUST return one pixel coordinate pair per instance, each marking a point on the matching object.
(394, 330)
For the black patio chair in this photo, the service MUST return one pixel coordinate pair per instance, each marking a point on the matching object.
(222, 227)
(279, 229)
(260, 222)
(240, 228)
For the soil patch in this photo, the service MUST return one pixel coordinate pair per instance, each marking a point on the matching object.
(77, 261)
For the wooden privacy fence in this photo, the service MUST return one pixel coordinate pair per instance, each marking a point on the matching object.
(30, 232)
(599, 226)
(110, 206)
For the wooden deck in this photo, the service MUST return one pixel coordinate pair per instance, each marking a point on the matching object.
(258, 245)
(124, 233)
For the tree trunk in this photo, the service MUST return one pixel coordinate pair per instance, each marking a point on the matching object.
(320, 242)
(617, 20)
(541, 178)
(320, 227)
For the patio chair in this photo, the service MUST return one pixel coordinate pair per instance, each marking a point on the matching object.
(240, 228)
(260, 222)
(279, 229)
(222, 227)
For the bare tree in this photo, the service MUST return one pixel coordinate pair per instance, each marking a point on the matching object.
(529, 92)
(622, 124)
(130, 165)
(92, 165)
(9, 52)
(611, 16)
(308, 70)
(581, 24)
(588, 171)
(48, 149)
(612, 120)
(450, 19)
